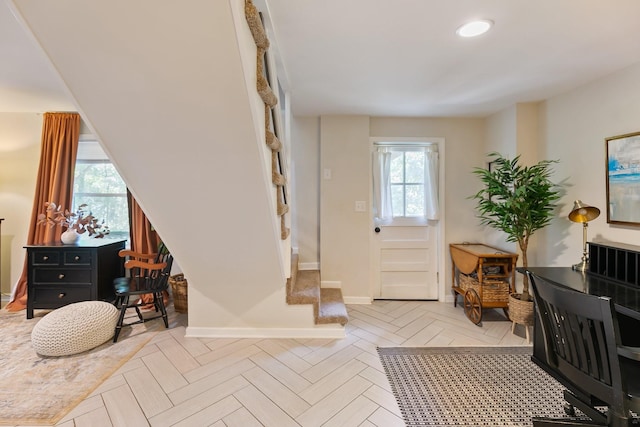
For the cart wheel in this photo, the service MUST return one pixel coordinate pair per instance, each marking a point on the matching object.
(472, 306)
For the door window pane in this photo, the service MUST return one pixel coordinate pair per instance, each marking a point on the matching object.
(407, 183)
(414, 200)
(415, 167)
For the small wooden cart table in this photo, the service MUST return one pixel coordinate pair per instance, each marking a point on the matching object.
(483, 275)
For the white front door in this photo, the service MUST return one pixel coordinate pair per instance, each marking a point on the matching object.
(405, 262)
(405, 229)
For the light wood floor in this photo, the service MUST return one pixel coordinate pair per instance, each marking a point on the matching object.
(281, 382)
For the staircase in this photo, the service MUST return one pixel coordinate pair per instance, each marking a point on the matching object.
(303, 287)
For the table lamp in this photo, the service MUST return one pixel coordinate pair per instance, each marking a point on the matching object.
(583, 213)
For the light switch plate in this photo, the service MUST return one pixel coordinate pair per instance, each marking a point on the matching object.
(361, 206)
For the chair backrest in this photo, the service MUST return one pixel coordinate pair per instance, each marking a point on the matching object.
(162, 278)
(581, 338)
(144, 266)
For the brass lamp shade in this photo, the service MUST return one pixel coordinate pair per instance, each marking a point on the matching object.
(583, 213)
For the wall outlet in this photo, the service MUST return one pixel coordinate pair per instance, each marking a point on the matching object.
(361, 206)
(327, 174)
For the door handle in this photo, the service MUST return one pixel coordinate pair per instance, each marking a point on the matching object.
(377, 229)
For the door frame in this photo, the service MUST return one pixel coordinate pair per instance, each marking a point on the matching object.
(439, 234)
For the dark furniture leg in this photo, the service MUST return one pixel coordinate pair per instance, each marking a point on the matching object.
(124, 302)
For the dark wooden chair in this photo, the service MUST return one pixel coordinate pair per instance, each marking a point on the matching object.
(148, 274)
(584, 352)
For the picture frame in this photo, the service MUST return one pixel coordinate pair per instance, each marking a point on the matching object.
(623, 179)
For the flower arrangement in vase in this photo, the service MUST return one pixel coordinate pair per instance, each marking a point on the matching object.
(79, 222)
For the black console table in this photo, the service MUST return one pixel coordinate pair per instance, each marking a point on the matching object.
(614, 272)
(60, 274)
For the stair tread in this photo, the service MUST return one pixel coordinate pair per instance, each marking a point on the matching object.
(306, 288)
(332, 308)
(303, 287)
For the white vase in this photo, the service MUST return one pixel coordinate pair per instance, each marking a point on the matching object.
(69, 236)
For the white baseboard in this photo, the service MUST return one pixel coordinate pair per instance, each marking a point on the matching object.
(321, 331)
(357, 300)
(331, 284)
(449, 299)
(308, 266)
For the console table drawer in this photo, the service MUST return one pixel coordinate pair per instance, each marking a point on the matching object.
(77, 258)
(45, 258)
(58, 275)
(59, 296)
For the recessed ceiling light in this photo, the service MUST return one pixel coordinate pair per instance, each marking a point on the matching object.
(474, 28)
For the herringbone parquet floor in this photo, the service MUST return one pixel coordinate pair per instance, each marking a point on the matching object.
(178, 381)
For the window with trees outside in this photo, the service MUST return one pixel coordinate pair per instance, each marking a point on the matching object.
(98, 184)
(407, 183)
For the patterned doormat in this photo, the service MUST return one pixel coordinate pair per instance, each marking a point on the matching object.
(470, 386)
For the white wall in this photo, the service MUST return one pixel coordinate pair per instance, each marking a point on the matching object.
(344, 233)
(573, 128)
(502, 132)
(344, 145)
(306, 167)
(20, 135)
(501, 137)
(512, 132)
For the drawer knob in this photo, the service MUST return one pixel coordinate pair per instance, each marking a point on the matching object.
(77, 258)
(45, 258)
(61, 276)
(61, 295)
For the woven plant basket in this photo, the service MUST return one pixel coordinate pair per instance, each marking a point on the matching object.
(520, 312)
(179, 290)
(492, 290)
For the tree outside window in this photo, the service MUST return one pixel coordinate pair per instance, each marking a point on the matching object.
(407, 183)
(98, 184)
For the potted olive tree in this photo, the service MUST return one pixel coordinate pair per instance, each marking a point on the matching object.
(517, 200)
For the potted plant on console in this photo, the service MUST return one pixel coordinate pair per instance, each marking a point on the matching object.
(517, 200)
(76, 223)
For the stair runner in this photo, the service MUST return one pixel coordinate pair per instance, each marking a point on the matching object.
(303, 287)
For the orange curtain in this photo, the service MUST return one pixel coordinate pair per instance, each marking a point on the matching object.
(144, 239)
(59, 148)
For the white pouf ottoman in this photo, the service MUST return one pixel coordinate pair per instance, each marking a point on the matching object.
(74, 328)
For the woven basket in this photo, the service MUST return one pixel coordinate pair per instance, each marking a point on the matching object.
(492, 290)
(520, 312)
(179, 290)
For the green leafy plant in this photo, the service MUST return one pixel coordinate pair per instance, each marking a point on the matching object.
(81, 221)
(517, 200)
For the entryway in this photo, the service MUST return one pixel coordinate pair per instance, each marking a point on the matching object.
(405, 222)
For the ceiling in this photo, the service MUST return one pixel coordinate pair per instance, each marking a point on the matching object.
(398, 57)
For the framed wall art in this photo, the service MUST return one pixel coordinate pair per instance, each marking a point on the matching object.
(623, 179)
